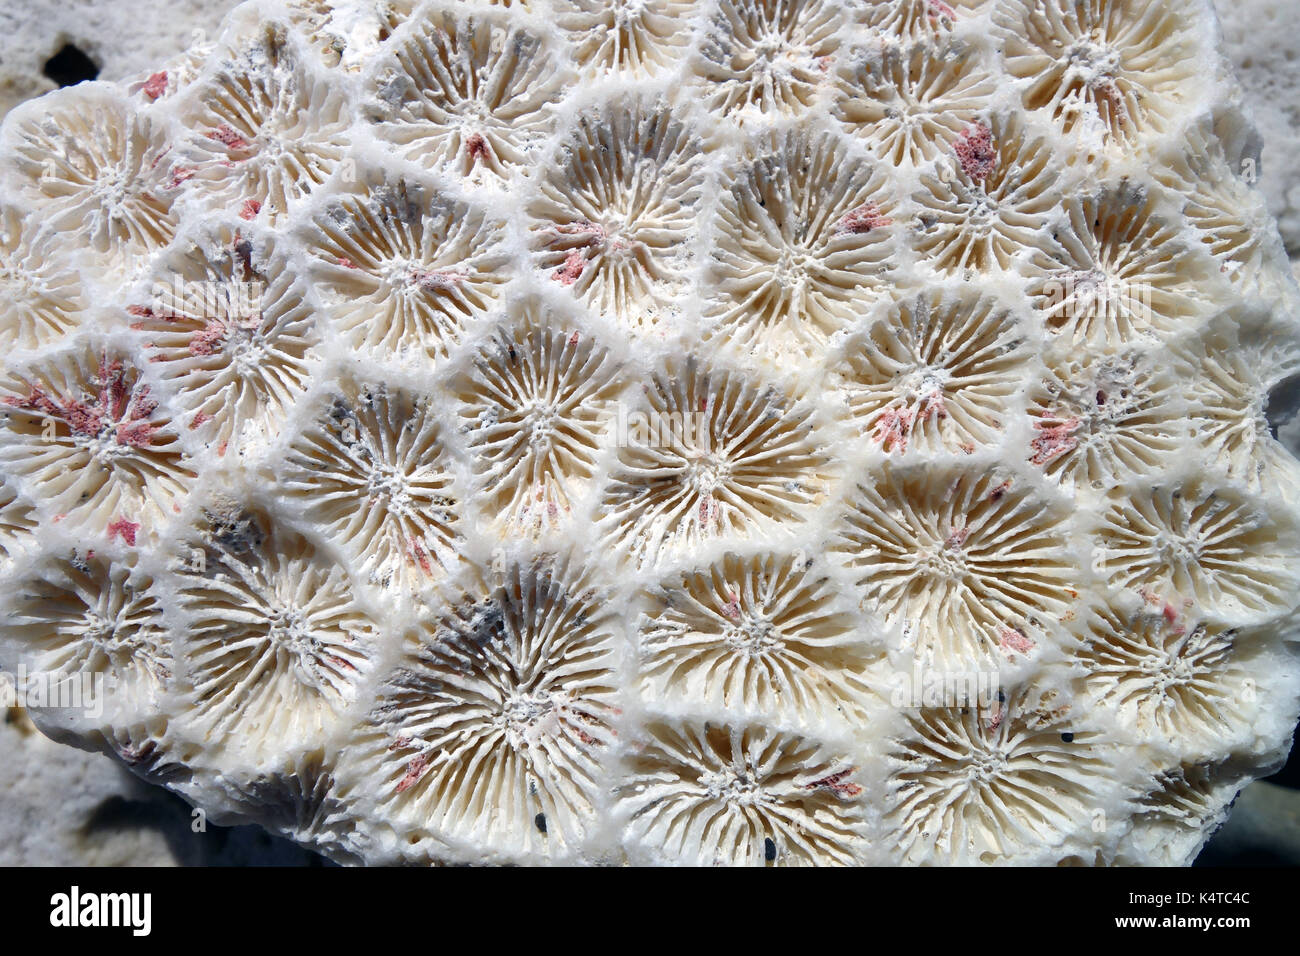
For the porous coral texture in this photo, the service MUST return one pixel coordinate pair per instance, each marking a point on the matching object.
(743, 432)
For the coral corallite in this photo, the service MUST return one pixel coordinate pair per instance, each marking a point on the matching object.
(726, 432)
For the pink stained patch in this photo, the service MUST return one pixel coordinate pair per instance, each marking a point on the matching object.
(1110, 93)
(995, 720)
(144, 312)
(113, 378)
(137, 431)
(207, 340)
(706, 505)
(227, 137)
(893, 429)
(136, 434)
(116, 406)
(936, 9)
(1012, 640)
(84, 419)
(438, 281)
(837, 784)
(127, 530)
(477, 148)
(731, 610)
(249, 210)
(863, 219)
(156, 85)
(975, 152)
(932, 407)
(956, 539)
(421, 556)
(571, 271)
(199, 419)
(414, 771)
(1053, 441)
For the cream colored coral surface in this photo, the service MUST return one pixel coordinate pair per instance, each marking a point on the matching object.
(615, 432)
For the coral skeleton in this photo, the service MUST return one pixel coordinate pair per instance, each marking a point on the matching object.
(661, 432)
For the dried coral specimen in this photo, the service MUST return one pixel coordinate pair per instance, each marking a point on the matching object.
(468, 92)
(301, 800)
(534, 413)
(936, 371)
(639, 36)
(86, 616)
(228, 332)
(1184, 793)
(96, 166)
(1194, 543)
(800, 247)
(1118, 272)
(964, 565)
(741, 796)
(140, 746)
(972, 785)
(1228, 401)
(768, 56)
(760, 633)
(989, 200)
(42, 298)
(267, 131)
(617, 209)
(1217, 179)
(1093, 424)
(491, 726)
(346, 37)
(373, 472)
(1168, 676)
(1185, 801)
(744, 432)
(711, 455)
(404, 268)
(275, 643)
(917, 19)
(1113, 69)
(85, 435)
(911, 103)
